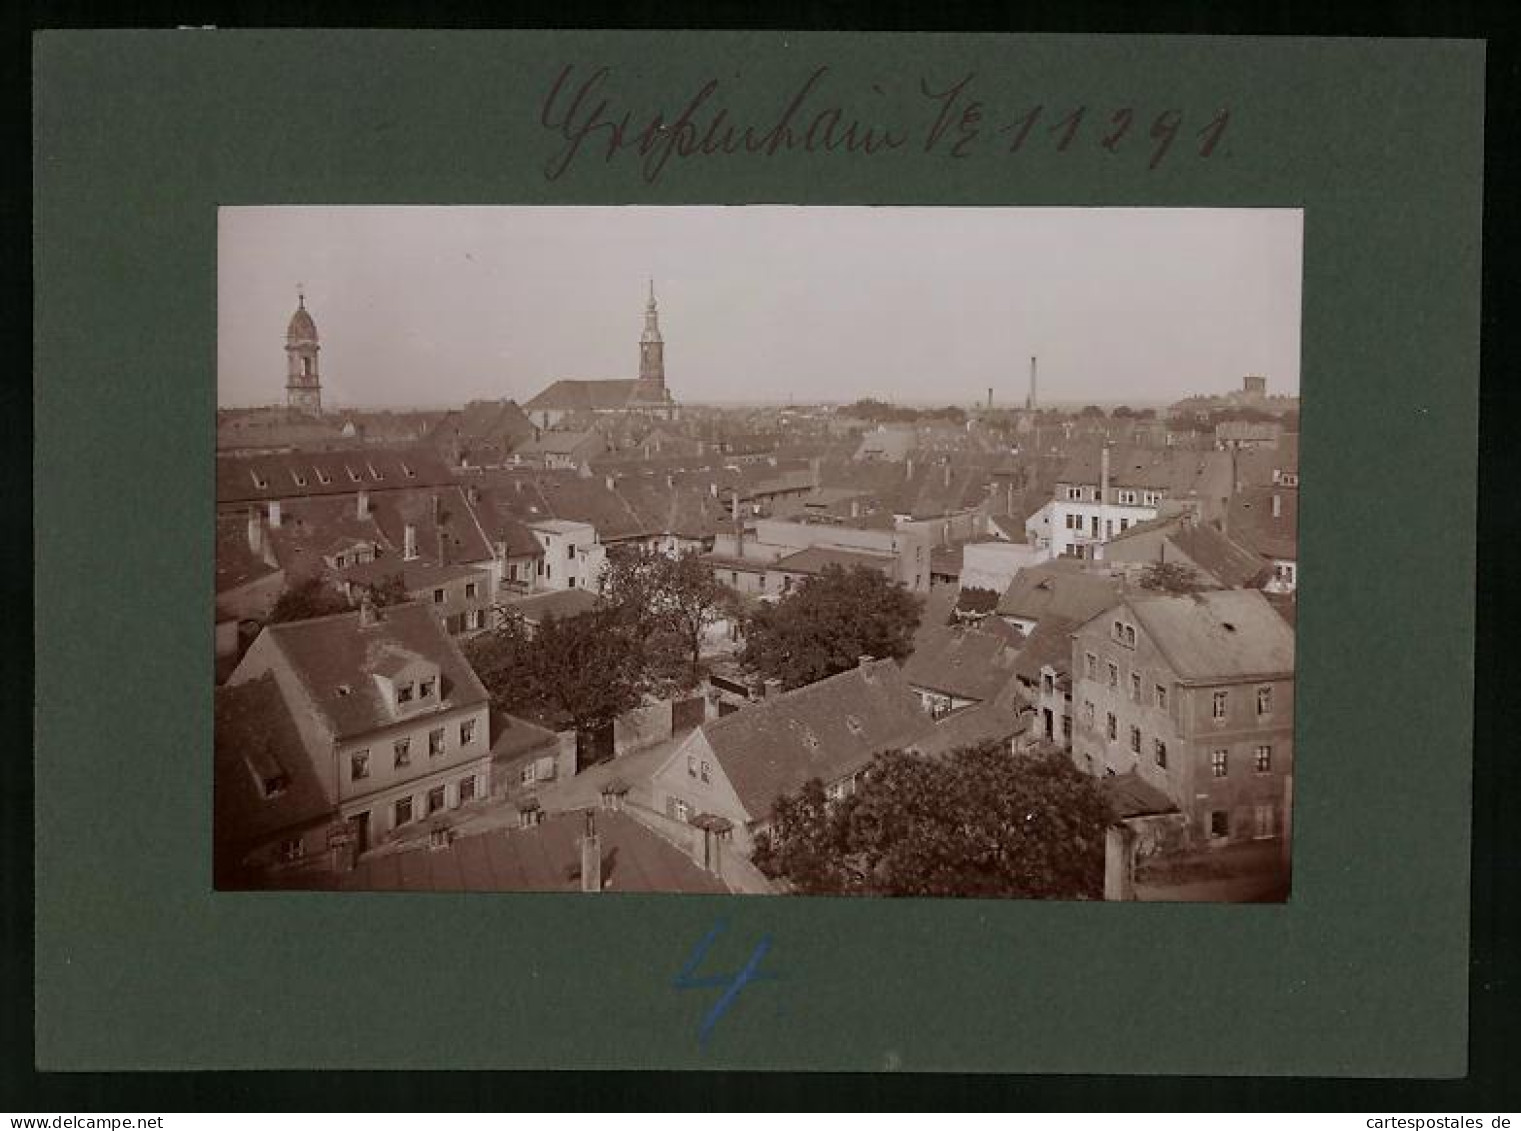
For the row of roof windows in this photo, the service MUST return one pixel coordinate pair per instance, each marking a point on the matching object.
(323, 477)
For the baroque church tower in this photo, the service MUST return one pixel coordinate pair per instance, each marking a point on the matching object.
(303, 385)
(651, 387)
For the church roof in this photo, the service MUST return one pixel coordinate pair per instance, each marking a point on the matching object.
(302, 328)
(570, 395)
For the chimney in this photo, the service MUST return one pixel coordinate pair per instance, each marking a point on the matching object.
(255, 533)
(591, 855)
(855, 508)
(437, 509)
(734, 507)
(609, 482)
(670, 482)
(274, 514)
(409, 543)
(362, 505)
(473, 495)
(713, 489)
(1030, 398)
(1277, 506)
(908, 468)
(947, 473)
(443, 545)
(990, 400)
(773, 687)
(1103, 487)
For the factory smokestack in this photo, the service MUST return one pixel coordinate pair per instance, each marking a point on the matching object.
(1030, 397)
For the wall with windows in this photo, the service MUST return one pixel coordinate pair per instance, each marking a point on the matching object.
(691, 781)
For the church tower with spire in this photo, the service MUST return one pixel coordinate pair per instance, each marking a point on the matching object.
(303, 385)
(651, 387)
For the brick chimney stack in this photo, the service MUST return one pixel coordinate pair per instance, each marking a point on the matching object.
(409, 543)
(274, 514)
(255, 532)
(363, 505)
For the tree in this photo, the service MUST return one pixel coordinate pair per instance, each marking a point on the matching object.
(664, 596)
(977, 822)
(310, 597)
(392, 590)
(1171, 577)
(973, 603)
(1092, 410)
(828, 623)
(1123, 412)
(585, 670)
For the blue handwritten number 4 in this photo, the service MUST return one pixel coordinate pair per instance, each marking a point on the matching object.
(731, 984)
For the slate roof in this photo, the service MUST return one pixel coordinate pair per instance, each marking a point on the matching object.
(236, 563)
(545, 858)
(1178, 472)
(463, 540)
(483, 427)
(562, 444)
(1058, 590)
(311, 528)
(570, 394)
(330, 653)
(1221, 557)
(291, 475)
(254, 733)
(826, 730)
(997, 720)
(1050, 645)
(1220, 634)
(965, 662)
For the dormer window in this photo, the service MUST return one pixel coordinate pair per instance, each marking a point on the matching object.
(323, 477)
(407, 471)
(1127, 498)
(404, 694)
(853, 725)
(1075, 494)
(259, 481)
(353, 475)
(375, 475)
(1124, 634)
(298, 478)
(425, 689)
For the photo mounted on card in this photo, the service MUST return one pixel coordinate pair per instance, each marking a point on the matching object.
(941, 625)
(626, 474)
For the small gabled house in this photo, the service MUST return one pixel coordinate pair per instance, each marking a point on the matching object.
(952, 668)
(737, 766)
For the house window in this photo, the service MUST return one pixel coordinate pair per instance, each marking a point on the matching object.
(435, 742)
(292, 850)
(467, 732)
(425, 689)
(470, 588)
(1114, 677)
(1219, 823)
(404, 694)
(570, 552)
(835, 792)
(1219, 704)
(1161, 693)
(402, 749)
(681, 810)
(1135, 740)
(1074, 493)
(1263, 759)
(1159, 751)
(1129, 636)
(438, 596)
(359, 765)
(706, 771)
(1088, 714)
(1135, 686)
(475, 619)
(1264, 700)
(1048, 683)
(1091, 665)
(1113, 726)
(691, 766)
(1067, 729)
(466, 790)
(1219, 763)
(403, 812)
(570, 582)
(1127, 498)
(435, 799)
(527, 774)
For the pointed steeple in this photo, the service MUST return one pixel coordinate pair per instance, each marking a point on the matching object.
(651, 354)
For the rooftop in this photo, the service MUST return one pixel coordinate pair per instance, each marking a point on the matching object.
(1227, 633)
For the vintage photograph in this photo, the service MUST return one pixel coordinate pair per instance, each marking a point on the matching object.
(931, 552)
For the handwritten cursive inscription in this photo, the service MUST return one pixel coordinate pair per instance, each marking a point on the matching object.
(731, 984)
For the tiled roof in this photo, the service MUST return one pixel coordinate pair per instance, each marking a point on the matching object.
(965, 662)
(1050, 590)
(463, 540)
(1179, 472)
(236, 563)
(1252, 522)
(311, 528)
(333, 653)
(1130, 796)
(996, 720)
(1050, 645)
(569, 394)
(816, 559)
(556, 603)
(826, 730)
(1223, 558)
(255, 734)
(415, 575)
(562, 444)
(1220, 634)
(291, 475)
(545, 858)
(512, 736)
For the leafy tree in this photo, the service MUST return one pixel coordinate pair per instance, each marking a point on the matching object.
(974, 602)
(1146, 414)
(1122, 412)
(1092, 410)
(978, 822)
(311, 597)
(667, 597)
(1171, 577)
(392, 590)
(828, 623)
(586, 669)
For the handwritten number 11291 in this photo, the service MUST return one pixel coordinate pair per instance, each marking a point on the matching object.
(1114, 132)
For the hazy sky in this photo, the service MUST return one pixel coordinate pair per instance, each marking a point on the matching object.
(435, 306)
